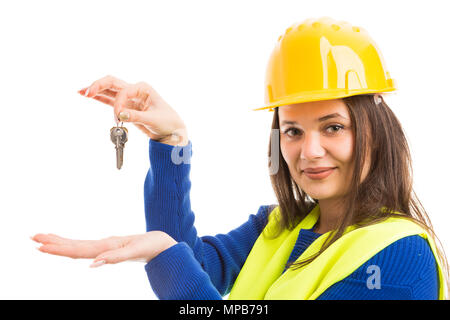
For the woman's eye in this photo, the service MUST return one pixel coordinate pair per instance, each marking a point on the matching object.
(334, 128)
(294, 130)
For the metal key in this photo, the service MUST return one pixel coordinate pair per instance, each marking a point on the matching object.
(119, 135)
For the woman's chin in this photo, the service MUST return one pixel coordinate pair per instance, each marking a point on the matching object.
(320, 194)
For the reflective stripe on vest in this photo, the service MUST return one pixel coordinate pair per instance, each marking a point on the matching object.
(261, 276)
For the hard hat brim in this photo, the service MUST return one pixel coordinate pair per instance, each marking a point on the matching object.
(321, 95)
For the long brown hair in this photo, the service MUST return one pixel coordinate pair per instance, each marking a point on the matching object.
(378, 133)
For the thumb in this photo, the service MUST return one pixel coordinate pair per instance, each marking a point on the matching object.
(130, 115)
(113, 256)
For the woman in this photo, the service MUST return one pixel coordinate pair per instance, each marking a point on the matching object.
(347, 225)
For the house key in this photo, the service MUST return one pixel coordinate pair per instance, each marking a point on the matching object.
(119, 135)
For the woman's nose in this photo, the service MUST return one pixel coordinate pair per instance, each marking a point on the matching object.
(312, 147)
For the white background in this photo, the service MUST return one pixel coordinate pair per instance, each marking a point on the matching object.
(208, 60)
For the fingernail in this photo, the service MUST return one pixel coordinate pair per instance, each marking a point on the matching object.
(124, 116)
(97, 264)
(87, 92)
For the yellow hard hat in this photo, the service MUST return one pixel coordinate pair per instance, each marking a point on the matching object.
(322, 59)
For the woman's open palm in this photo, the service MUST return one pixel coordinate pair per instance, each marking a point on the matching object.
(140, 247)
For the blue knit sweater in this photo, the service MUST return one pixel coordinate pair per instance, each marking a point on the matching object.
(206, 267)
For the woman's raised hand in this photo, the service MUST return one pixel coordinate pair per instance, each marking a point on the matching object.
(140, 247)
(140, 104)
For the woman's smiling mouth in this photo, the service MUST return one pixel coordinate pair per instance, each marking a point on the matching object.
(318, 172)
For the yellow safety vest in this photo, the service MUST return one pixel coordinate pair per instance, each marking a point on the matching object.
(261, 276)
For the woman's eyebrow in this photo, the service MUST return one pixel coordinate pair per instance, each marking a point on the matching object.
(328, 116)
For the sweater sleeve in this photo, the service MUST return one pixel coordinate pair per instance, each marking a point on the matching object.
(406, 270)
(175, 274)
(209, 262)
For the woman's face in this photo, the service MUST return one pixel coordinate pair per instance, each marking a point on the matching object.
(316, 141)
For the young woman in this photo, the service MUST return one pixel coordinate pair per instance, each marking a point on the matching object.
(347, 224)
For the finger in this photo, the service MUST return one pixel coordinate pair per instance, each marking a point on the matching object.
(83, 91)
(108, 82)
(50, 238)
(37, 237)
(71, 251)
(108, 92)
(109, 101)
(141, 91)
(105, 100)
(59, 238)
(129, 115)
(115, 256)
(130, 104)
